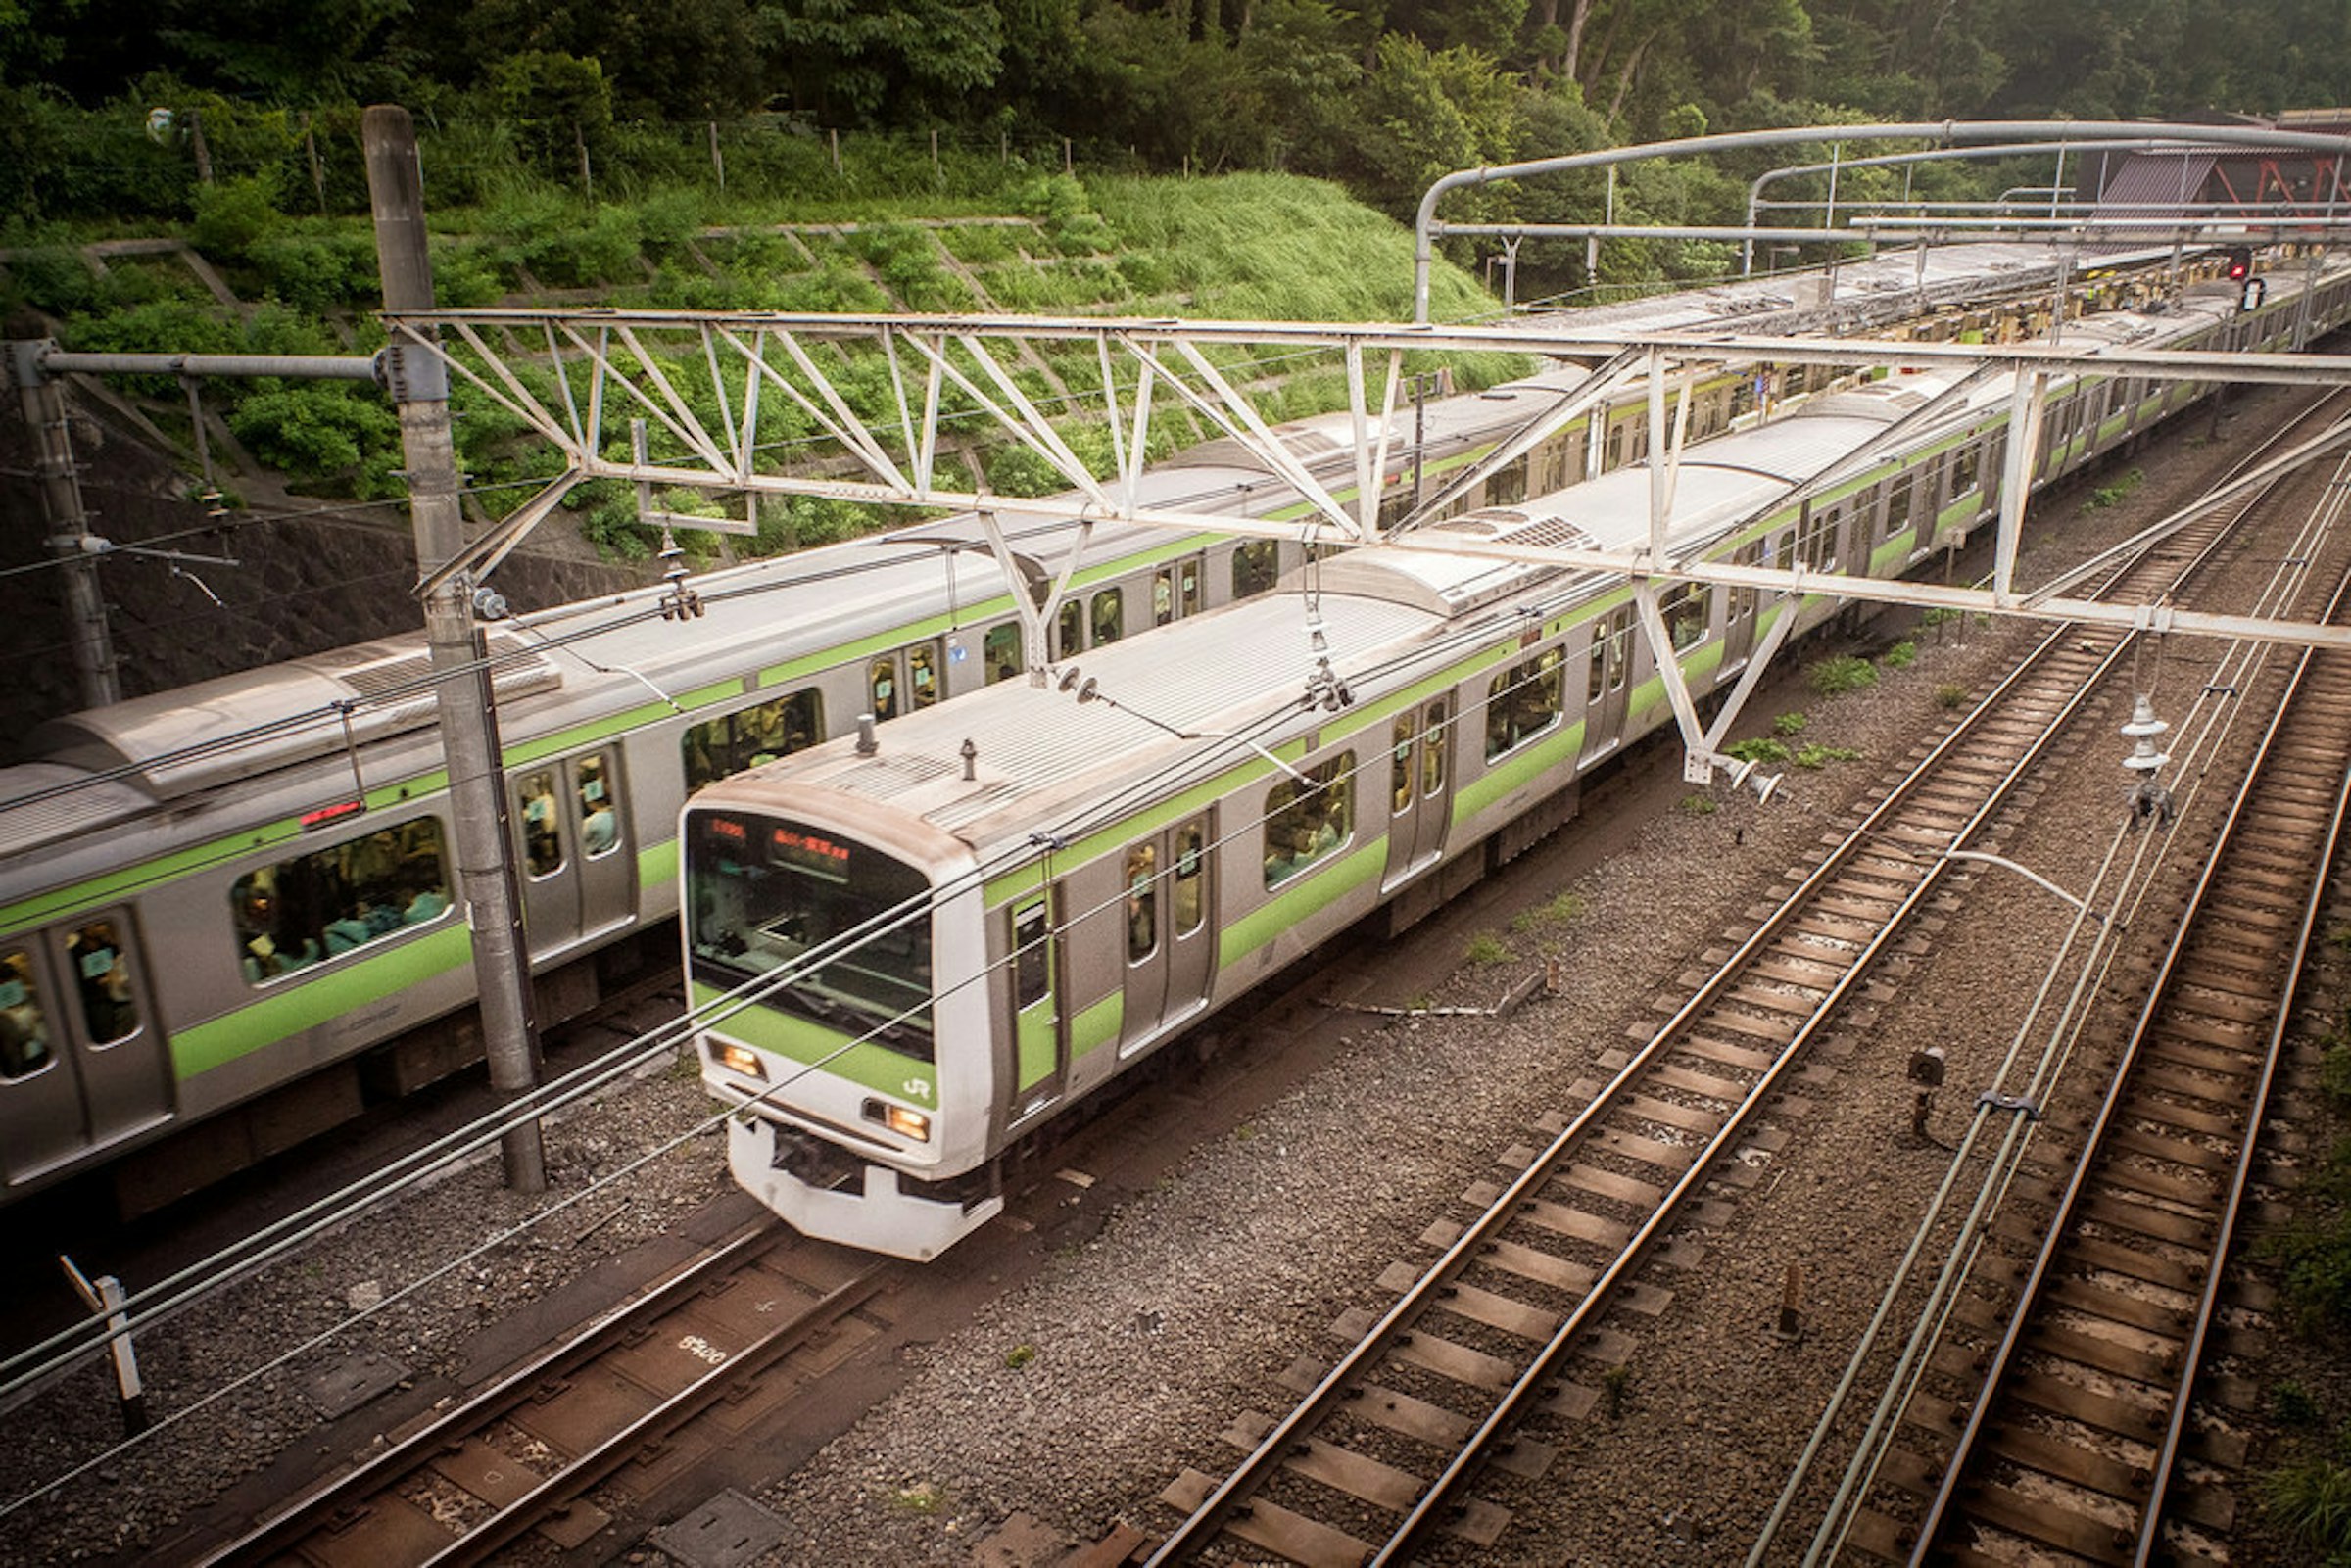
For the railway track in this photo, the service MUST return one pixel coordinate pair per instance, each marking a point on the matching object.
(1512, 1323)
(522, 1452)
(2076, 1437)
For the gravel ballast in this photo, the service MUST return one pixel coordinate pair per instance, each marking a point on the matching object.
(1069, 1399)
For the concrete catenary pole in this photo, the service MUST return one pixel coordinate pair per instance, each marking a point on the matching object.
(419, 384)
(70, 533)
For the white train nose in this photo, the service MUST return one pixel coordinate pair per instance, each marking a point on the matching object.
(878, 1217)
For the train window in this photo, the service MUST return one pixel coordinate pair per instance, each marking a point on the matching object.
(1399, 762)
(1508, 486)
(1524, 702)
(1000, 652)
(1256, 563)
(1142, 902)
(882, 686)
(295, 912)
(1110, 615)
(1187, 587)
(1191, 871)
(541, 823)
(1068, 630)
(23, 1028)
(1817, 538)
(921, 673)
(1898, 506)
(1611, 660)
(1687, 608)
(1740, 605)
(1432, 748)
(1031, 966)
(1310, 821)
(1396, 505)
(766, 892)
(725, 745)
(600, 802)
(1163, 596)
(108, 1012)
(1560, 461)
(1967, 470)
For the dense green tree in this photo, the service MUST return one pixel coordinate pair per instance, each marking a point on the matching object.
(850, 58)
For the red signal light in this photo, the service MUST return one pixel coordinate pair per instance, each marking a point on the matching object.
(2240, 265)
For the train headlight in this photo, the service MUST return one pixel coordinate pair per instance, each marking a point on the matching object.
(741, 1059)
(899, 1120)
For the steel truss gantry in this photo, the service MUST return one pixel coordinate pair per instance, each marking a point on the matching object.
(701, 380)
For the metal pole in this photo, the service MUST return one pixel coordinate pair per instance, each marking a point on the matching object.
(70, 533)
(419, 384)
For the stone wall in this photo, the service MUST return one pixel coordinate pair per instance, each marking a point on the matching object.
(312, 575)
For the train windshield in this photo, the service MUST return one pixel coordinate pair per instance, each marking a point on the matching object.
(762, 891)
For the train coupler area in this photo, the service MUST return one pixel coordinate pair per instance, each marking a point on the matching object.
(828, 1194)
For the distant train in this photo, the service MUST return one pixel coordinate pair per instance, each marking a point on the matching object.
(225, 918)
(919, 947)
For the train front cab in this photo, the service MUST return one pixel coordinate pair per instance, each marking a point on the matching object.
(851, 1126)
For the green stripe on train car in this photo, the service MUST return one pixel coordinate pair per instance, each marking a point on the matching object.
(309, 1003)
(796, 1039)
(1097, 1026)
(390, 797)
(658, 862)
(1559, 751)
(617, 724)
(131, 879)
(1313, 892)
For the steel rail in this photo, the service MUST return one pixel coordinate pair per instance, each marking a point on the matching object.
(280, 1532)
(2240, 1178)
(1250, 1475)
(1512, 1407)
(2222, 520)
(1228, 1499)
(1957, 1467)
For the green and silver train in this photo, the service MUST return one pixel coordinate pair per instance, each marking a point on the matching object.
(912, 949)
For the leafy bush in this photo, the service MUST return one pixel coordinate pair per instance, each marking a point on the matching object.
(1901, 656)
(1018, 471)
(1950, 696)
(975, 243)
(1761, 748)
(1791, 721)
(1701, 805)
(234, 214)
(1843, 672)
(53, 278)
(318, 269)
(1818, 756)
(2114, 492)
(316, 432)
(1486, 948)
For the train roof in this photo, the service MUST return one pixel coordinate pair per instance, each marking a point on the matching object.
(1165, 699)
(53, 800)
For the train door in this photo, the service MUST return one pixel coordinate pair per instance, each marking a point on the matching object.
(1739, 612)
(1607, 682)
(906, 680)
(1041, 1047)
(576, 879)
(1175, 590)
(81, 1063)
(1170, 942)
(1420, 790)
